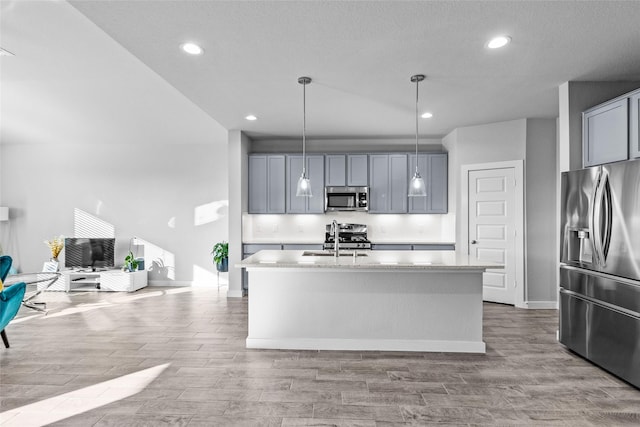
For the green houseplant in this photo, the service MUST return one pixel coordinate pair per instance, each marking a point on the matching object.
(220, 254)
(130, 263)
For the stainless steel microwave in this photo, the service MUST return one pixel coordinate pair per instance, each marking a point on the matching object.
(346, 199)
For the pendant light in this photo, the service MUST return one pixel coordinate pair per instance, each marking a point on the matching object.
(304, 185)
(417, 187)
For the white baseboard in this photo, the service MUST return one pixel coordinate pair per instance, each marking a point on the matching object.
(367, 345)
(541, 305)
(232, 293)
(168, 283)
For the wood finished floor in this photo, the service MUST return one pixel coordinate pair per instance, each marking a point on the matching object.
(176, 356)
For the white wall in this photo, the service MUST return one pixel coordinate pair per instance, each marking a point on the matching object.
(238, 189)
(535, 142)
(493, 142)
(109, 138)
(163, 195)
(540, 206)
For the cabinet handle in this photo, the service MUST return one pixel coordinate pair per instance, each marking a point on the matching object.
(473, 242)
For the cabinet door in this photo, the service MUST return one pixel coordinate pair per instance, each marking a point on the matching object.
(605, 133)
(438, 186)
(378, 183)
(398, 183)
(420, 204)
(634, 125)
(335, 166)
(388, 183)
(390, 247)
(315, 169)
(315, 172)
(275, 184)
(357, 170)
(435, 247)
(257, 184)
(295, 204)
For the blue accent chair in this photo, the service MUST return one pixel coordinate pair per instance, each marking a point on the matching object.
(5, 266)
(10, 298)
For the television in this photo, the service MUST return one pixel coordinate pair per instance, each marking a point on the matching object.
(94, 253)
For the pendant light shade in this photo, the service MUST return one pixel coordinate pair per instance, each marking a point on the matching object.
(417, 187)
(304, 185)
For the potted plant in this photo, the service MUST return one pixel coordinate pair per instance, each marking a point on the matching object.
(130, 263)
(220, 253)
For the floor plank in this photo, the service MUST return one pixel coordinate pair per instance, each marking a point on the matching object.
(176, 356)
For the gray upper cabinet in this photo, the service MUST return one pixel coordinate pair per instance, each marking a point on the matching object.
(334, 173)
(346, 169)
(357, 170)
(605, 133)
(388, 183)
(266, 184)
(315, 172)
(634, 125)
(433, 168)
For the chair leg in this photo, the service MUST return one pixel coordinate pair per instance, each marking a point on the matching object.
(4, 338)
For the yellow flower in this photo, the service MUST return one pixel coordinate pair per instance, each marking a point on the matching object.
(55, 245)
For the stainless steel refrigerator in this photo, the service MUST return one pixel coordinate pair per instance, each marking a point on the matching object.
(600, 266)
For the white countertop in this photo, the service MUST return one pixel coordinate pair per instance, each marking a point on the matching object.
(307, 242)
(379, 260)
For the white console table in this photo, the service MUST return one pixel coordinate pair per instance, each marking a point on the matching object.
(110, 280)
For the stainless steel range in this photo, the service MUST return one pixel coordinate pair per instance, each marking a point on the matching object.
(351, 236)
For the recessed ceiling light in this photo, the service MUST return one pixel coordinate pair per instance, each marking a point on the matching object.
(192, 48)
(498, 42)
(426, 115)
(251, 117)
(4, 52)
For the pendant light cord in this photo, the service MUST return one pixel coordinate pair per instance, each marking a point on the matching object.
(417, 83)
(304, 127)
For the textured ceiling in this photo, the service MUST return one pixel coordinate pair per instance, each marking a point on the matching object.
(361, 54)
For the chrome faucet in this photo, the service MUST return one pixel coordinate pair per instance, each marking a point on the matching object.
(335, 231)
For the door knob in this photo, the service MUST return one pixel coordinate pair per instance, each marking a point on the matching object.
(473, 242)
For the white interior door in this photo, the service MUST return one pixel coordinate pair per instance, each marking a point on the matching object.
(493, 217)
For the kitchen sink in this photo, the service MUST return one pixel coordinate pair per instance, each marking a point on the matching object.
(328, 253)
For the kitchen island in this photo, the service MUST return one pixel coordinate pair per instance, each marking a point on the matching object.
(373, 300)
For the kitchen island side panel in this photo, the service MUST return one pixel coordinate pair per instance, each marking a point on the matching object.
(408, 310)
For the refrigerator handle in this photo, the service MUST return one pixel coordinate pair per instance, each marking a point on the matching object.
(601, 218)
(607, 215)
(594, 213)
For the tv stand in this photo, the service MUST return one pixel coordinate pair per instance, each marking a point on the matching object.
(107, 280)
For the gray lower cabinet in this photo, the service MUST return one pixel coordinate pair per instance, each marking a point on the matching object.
(315, 172)
(605, 133)
(390, 247)
(413, 247)
(434, 247)
(266, 184)
(302, 247)
(634, 125)
(433, 168)
(346, 170)
(388, 183)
